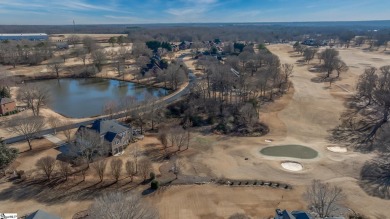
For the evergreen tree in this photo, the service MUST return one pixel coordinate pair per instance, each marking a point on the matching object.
(7, 154)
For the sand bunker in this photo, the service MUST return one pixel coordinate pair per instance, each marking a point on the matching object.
(337, 149)
(292, 166)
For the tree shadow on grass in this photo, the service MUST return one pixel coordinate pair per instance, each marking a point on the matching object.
(49, 192)
(155, 154)
(148, 191)
(375, 177)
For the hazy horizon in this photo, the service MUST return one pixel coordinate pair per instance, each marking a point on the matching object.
(92, 12)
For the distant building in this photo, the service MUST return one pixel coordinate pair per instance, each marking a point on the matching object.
(41, 215)
(185, 45)
(24, 36)
(7, 105)
(62, 46)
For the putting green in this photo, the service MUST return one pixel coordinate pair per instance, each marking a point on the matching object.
(294, 151)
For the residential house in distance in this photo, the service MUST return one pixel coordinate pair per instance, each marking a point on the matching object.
(7, 105)
(62, 46)
(185, 45)
(116, 135)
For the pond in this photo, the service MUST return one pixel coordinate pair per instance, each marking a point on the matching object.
(86, 97)
(294, 151)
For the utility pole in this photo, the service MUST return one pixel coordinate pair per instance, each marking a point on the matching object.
(74, 27)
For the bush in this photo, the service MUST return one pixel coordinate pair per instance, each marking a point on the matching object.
(154, 185)
(152, 176)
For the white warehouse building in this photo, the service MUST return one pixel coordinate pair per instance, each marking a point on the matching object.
(24, 36)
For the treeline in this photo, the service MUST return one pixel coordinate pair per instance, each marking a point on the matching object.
(233, 91)
(24, 52)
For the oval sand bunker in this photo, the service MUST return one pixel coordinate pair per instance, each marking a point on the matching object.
(337, 149)
(292, 166)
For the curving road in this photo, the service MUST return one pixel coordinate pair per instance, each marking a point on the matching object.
(165, 102)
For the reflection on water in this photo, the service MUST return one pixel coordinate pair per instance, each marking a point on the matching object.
(86, 97)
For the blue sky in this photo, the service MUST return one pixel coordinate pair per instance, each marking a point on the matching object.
(184, 11)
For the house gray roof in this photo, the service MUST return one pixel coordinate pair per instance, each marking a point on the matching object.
(287, 215)
(42, 215)
(5, 100)
(108, 128)
(301, 215)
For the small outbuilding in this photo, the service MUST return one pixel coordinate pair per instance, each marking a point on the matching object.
(7, 105)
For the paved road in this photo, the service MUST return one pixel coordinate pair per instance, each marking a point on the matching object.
(165, 102)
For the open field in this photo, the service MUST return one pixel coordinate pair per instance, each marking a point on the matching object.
(304, 116)
(301, 117)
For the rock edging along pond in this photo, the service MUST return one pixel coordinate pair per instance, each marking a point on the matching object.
(291, 151)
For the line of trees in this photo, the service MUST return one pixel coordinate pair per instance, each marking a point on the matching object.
(24, 52)
(233, 90)
(369, 110)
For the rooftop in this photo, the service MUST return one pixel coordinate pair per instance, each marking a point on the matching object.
(23, 34)
(5, 100)
(42, 215)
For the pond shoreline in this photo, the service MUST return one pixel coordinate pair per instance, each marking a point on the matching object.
(89, 97)
(25, 78)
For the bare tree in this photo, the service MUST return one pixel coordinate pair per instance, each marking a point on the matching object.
(163, 138)
(142, 61)
(116, 168)
(55, 66)
(180, 137)
(323, 198)
(309, 53)
(176, 168)
(89, 44)
(119, 205)
(152, 106)
(99, 58)
(130, 169)
(28, 127)
(245, 57)
(110, 108)
(73, 39)
(100, 168)
(67, 131)
(34, 97)
(88, 144)
(286, 72)
(144, 167)
(140, 49)
(46, 165)
(128, 105)
(54, 123)
(82, 54)
(135, 156)
(340, 67)
(83, 164)
(359, 40)
(176, 75)
(331, 59)
(64, 168)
